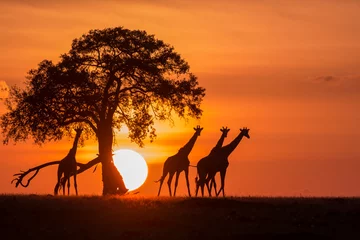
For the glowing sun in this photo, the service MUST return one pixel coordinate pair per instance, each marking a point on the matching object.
(132, 166)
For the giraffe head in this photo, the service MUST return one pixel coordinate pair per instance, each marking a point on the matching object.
(78, 130)
(245, 132)
(225, 131)
(198, 130)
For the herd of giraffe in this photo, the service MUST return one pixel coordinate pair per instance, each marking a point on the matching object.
(207, 167)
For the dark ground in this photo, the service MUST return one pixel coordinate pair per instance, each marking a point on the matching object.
(48, 217)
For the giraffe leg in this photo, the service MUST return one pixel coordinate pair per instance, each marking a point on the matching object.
(58, 184)
(222, 177)
(187, 181)
(200, 182)
(75, 184)
(197, 186)
(68, 185)
(56, 189)
(176, 182)
(213, 182)
(63, 185)
(218, 193)
(207, 184)
(202, 186)
(161, 183)
(169, 181)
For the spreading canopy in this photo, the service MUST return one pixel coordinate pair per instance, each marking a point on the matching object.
(111, 77)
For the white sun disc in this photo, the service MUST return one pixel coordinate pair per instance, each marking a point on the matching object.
(132, 166)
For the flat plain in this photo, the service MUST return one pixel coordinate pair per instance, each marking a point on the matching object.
(136, 217)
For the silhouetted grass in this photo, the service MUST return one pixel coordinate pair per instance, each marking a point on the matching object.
(90, 217)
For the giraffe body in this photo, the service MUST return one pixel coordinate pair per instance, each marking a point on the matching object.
(179, 163)
(218, 162)
(68, 167)
(209, 158)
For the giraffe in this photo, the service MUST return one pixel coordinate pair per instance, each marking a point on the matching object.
(178, 163)
(219, 162)
(68, 166)
(213, 150)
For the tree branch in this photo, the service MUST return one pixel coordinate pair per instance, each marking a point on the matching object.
(83, 168)
(105, 98)
(20, 176)
(81, 113)
(81, 120)
(116, 101)
(86, 166)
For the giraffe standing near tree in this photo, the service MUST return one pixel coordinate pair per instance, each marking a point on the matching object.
(219, 162)
(178, 163)
(213, 151)
(68, 166)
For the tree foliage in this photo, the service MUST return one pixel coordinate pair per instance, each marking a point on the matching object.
(110, 77)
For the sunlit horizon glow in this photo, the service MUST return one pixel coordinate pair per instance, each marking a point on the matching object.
(132, 166)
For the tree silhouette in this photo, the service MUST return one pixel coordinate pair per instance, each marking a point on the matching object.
(110, 78)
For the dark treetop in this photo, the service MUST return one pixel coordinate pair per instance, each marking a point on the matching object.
(113, 76)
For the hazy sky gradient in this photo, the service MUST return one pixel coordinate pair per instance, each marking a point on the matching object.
(288, 70)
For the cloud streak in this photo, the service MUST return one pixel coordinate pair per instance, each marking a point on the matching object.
(333, 78)
(56, 3)
(326, 78)
(338, 85)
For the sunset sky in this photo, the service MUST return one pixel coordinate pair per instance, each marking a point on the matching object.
(288, 70)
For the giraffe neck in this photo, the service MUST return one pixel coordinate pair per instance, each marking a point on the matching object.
(228, 149)
(189, 145)
(219, 143)
(75, 144)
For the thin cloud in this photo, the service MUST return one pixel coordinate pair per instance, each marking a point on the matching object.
(337, 84)
(332, 78)
(327, 78)
(53, 3)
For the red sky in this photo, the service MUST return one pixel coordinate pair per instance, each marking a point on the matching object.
(289, 71)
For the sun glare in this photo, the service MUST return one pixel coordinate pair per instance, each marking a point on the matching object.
(132, 167)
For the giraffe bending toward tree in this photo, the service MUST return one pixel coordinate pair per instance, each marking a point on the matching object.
(178, 163)
(68, 166)
(219, 162)
(217, 147)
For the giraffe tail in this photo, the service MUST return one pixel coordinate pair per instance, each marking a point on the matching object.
(161, 179)
(59, 186)
(164, 174)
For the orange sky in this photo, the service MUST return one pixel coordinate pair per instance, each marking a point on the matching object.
(288, 70)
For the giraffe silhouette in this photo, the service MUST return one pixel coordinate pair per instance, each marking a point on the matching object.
(68, 166)
(218, 162)
(178, 163)
(213, 150)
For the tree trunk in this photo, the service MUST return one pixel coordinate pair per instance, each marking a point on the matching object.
(113, 182)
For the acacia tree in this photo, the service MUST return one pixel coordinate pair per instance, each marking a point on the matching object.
(109, 78)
